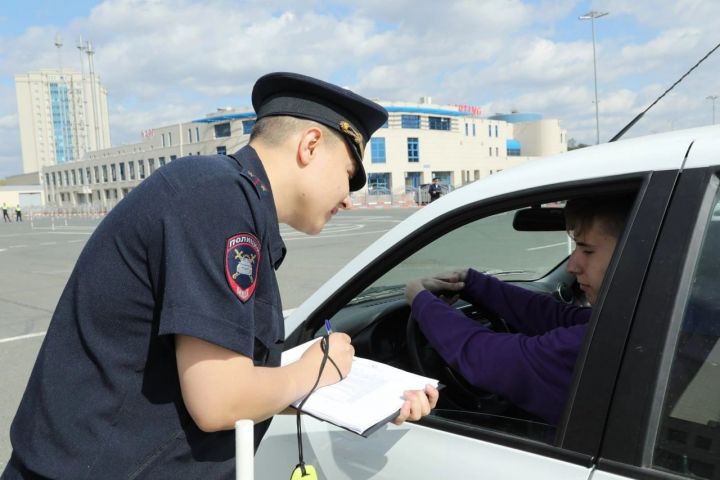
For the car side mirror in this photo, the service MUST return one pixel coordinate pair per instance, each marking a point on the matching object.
(539, 219)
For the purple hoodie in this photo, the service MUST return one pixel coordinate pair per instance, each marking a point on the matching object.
(533, 368)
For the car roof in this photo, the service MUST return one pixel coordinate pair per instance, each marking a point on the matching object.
(666, 151)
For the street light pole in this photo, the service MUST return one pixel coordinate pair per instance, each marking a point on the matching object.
(713, 98)
(592, 15)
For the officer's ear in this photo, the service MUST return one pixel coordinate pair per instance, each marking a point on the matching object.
(309, 142)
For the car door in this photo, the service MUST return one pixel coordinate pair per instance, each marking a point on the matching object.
(457, 447)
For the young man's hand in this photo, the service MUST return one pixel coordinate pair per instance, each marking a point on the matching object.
(448, 285)
(418, 403)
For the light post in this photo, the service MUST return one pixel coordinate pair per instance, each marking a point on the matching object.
(592, 15)
(713, 98)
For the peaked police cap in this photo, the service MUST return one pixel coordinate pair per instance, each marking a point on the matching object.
(291, 94)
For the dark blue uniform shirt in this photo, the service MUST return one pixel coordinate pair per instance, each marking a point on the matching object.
(193, 251)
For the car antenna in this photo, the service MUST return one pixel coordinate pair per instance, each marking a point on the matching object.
(640, 115)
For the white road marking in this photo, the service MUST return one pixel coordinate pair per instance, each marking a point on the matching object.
(545, 246)
(22, 337)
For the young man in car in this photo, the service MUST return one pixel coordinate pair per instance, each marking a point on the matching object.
(532, 368)
(170, 327)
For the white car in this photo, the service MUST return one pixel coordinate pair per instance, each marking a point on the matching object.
(645, 400)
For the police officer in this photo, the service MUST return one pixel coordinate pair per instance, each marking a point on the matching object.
(169, 323)
(6, 217)
(18, 213)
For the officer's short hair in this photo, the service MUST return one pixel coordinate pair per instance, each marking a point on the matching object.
(611, 210)
(276, 130)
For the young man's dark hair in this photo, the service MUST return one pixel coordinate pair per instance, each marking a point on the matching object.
(613, 210)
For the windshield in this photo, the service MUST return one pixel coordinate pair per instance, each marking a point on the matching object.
(490, 244)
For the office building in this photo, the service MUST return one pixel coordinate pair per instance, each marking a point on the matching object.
(420, 141)
(62, 115)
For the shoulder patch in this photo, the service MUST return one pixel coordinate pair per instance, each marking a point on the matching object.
(242, 259)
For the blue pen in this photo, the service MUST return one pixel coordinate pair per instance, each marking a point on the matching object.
(328, 327)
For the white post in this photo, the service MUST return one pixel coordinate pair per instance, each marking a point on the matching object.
(244, 450)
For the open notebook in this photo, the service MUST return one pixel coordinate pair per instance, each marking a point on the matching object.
(370, 396)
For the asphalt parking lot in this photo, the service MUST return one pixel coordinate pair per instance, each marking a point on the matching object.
(38, 255)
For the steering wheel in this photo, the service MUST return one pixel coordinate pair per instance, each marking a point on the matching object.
(427, 362)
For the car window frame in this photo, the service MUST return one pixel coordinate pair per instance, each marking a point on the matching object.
(633, 413)
(652, 184)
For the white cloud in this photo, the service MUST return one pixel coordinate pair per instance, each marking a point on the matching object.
(165, 61)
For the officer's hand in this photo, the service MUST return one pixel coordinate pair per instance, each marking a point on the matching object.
(418, 403)
(341, 351)
(448, 285)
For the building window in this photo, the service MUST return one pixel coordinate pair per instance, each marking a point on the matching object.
(131, 169)
(87, 175)
(163, 140)
(221, 150)
(439, 123)
(169, 138)
(113, 172)
(410, 121)
(197, 134)
(413, 148)
(513, 147)
(497, 152)
(97, 174)
(54, 180)
(105, 175)
(189, 135)
(161, 161)
(122, 171)
(496, 130)
(379, 182)
(377, 150)
(47, 179)
(151, 166)
(413, 179)
(489, 151)
(473, 129)
(489, 130)
(248, 126)
(173, 157)
(141, 169)
(466, 129)
(222, 130)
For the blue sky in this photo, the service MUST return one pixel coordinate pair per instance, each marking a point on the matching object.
(165, 61)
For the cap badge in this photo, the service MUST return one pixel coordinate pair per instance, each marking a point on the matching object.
(242, 259)
(355, 136)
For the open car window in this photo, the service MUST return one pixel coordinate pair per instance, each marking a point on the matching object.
(378, 317)
(490, 245)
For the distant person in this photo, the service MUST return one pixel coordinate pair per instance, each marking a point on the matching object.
(532, 368)
(6, 217)
(170, 327)
(18, 213)
(434, 190)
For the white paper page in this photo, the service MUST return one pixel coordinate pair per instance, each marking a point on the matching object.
(370, 393)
